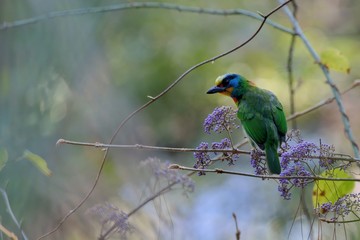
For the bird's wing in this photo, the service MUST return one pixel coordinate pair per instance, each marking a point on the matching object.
(254, 126)
(279, 117)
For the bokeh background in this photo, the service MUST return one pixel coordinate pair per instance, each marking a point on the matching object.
(78, 77)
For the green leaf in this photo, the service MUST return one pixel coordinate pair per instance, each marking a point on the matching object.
(331, 191)
(3, 157)
(333, 59)
(38, 162)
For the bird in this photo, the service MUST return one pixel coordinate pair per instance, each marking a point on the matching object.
(260, 112)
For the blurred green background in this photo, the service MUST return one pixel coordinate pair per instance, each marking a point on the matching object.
(78, 77)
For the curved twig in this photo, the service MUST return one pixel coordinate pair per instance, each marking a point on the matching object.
(192, 150)
(222, 171)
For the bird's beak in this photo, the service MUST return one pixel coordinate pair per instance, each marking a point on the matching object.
(216, 89)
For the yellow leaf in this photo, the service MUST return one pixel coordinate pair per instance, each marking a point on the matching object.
(38, 162)
(333, 59)
(331, 191)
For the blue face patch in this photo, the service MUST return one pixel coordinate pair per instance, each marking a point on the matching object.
(226, 80)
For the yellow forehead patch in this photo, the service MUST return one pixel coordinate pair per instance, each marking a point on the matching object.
(219, 80)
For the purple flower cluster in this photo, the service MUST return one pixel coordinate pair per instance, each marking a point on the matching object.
(294, 170)
(284, 189)
(110, 215)
(325, 208)
(226, 145)
(294, 159)
(223, 144)
(326, 153)
(299, 152)
(302, 150)
(292, 163)
(161, 171)
(221, 119)
(258, 162)
(202, 158)
(342, 207)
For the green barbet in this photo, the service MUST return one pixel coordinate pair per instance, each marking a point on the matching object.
(260, 112)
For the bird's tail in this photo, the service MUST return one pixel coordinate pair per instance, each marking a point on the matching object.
(272, 158)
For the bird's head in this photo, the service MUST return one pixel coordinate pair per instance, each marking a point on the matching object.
(230, 84)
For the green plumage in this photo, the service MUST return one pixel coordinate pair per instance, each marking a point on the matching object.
(261, 115)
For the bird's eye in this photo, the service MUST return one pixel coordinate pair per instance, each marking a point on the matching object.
(226, 81)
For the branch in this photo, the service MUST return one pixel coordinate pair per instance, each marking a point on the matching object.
(355, 84)
(338, 222)
(237, 233)
(138, 5)
(9, 210)
(148, 147)
(221, 171)
(8, 233)
(182, 149)
(329, 80)
(290, 69)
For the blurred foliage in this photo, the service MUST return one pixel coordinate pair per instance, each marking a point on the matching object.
(77, 77)
(325, 191)
(333, 59)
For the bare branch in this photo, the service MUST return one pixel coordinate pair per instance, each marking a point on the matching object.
(139, 5)
(221, 171)
(338, 222)
(174, 149)
(8, 233)
(147, 147)
(290, 70)
(237, 233)
(322, 103)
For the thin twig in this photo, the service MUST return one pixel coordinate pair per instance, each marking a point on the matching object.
(322, 103)
(329, 80)
(237, 233)
(12, 215)
(222, 171)
(290, 69)
(7, 232)
(152, 100)
(148, 147)
(338, 222)
(182, 149)
(139, 5)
